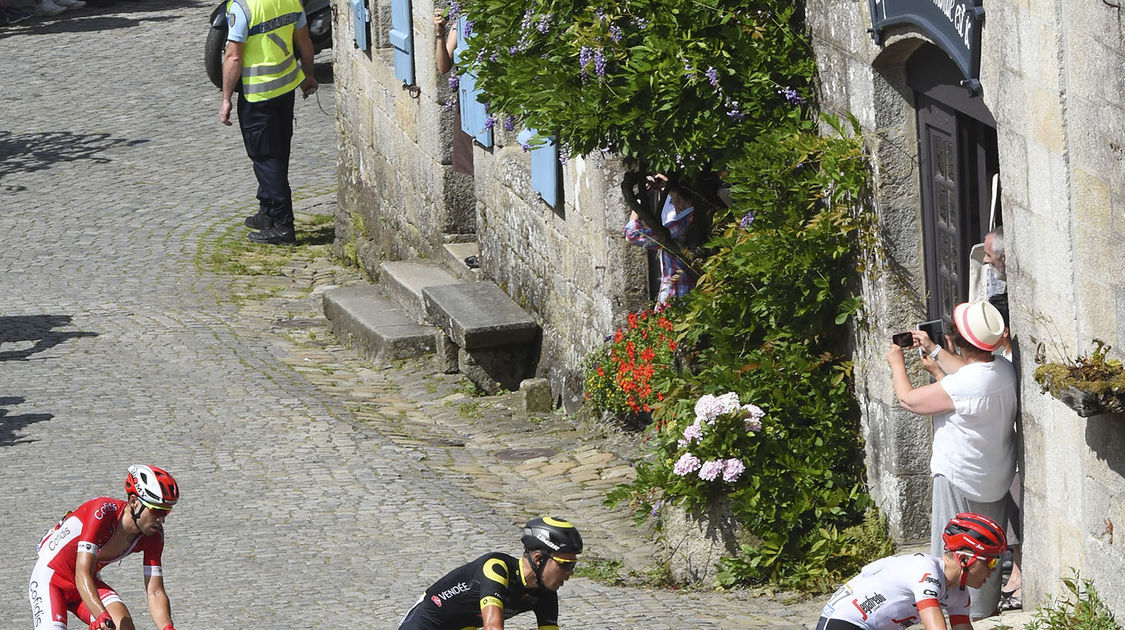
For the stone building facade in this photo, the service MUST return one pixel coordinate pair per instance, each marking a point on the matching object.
(1047, 123)
(401, 199)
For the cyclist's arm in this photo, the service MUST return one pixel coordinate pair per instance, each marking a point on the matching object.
(158, 603)
(933, 619)
(84, 570)
(492, 616)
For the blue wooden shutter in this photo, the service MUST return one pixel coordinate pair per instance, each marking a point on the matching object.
(401, 37)
(360, 18)
(546, 172)
(474, 118)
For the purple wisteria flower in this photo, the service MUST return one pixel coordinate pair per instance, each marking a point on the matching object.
(513, 50)
(469, 28)
(600, 12)
(712, 77)
(454, 9)
(686, 464)
(494, 57)
(490, 122)
(689, 71)
(640, 22)
(599, 62)
(710, 469)
(526, 146)
(747, 220)
(656, 507)
(791, 95)
(732, 470)
(454, 80)
(544, 24)
(509, 123)
(584, 57)
(564, 153)
(733, 111)
(615, 33)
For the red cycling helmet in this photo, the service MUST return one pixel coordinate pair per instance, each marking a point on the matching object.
(153, 486)
(976, 534)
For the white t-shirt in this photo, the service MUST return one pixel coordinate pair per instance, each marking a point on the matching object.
(974, 445)
(887, 594)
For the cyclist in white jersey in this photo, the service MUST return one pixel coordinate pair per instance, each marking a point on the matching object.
(900, 591)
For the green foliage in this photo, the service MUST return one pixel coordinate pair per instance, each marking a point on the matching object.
(767, 321)
(832, 556)
(632, 76)
(1079, 609)
(689, 88)
(634, 371)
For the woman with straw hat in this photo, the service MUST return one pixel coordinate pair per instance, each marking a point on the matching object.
(973, 405)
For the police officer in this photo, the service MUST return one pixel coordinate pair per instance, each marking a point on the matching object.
(264, 39)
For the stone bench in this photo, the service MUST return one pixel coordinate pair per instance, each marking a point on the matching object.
(487, 336)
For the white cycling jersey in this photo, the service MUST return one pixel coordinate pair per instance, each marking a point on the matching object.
(888, 594)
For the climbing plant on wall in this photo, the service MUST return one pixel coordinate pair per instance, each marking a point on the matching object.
(675, 86)
(702, 90)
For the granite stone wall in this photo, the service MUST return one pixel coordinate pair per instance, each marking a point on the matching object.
(1052, 80)
(400, 199)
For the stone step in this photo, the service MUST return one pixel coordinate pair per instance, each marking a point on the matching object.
(479, 315)
(455, 255)
(404, 281)
(487, 335)
(362, 317)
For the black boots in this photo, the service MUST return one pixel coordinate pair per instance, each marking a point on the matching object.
(279, 234)
(260, 221)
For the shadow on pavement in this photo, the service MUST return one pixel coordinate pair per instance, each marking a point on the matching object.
(11, 425)
(37, 332)
(100, 15)
(29, 152)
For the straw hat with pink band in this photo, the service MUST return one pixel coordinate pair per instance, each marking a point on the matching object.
(980, 323)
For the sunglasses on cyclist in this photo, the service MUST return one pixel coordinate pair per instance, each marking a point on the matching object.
(565, 564)
(989, 561)
(158, 510)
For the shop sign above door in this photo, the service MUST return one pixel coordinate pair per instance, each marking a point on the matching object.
(954, 25)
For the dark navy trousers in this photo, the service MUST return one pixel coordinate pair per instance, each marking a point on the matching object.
(267, 132)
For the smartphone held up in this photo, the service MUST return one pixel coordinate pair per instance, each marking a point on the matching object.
(903, 339)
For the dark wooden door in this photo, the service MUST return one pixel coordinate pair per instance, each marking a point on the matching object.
(957, 157)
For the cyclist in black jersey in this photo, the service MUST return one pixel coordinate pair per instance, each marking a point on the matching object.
(496, 586)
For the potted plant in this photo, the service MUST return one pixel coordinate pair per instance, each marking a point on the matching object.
(1090, 385)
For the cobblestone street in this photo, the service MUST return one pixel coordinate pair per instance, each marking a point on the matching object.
(319, 491)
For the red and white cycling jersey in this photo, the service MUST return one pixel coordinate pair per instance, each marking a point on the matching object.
(86, 530)
(888, 594)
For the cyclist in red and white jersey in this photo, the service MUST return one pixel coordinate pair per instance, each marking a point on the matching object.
(900, 591)
(101, 531)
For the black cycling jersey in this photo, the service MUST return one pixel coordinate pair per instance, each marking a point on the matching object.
(454, 602)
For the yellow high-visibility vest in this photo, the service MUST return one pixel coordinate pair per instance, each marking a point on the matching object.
(270, 66)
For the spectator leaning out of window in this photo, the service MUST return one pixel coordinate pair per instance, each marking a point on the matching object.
(677, 215)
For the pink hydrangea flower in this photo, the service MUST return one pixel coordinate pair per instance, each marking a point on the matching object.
(710, 470)
(694, 432)
(687, 463)
(732, 470)
(709, 407)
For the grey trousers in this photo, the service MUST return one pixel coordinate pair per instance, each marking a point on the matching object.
(948, 501)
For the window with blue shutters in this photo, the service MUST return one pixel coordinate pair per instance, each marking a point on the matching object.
(360, 18)
(401, 37)
(474, 118)
(546, 170)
